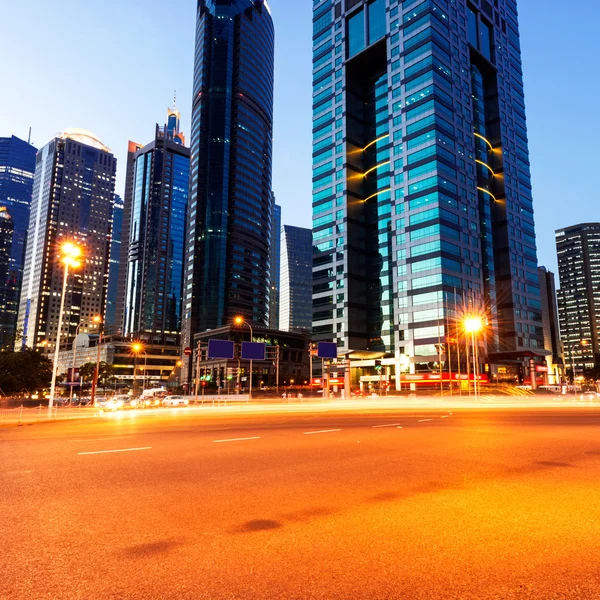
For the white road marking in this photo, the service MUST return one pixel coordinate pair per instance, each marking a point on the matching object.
(391, 425)
(104, 439)
(322, 431)
(235, 440)
(111, 451)
(446, 417)
(424, 420)
(400, 427)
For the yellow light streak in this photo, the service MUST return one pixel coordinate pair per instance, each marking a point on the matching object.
(387, 135)
(488, 193)
(382, 164)
(484, 139)
(377, 194)
(480, 162)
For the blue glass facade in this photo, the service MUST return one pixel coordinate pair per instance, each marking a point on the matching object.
(155, 252)
(229, 218)
(275, 262)
(113, 268)
(422, 205)
(17, 168)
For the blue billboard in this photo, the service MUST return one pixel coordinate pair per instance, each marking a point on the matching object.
(253, 350)
(327, 350)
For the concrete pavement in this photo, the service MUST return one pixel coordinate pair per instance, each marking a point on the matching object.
(300, 501)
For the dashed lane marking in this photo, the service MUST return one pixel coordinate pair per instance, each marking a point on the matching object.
(322, 431)
(390, 425)
(113, 451)
(235, 440)
(424, 420)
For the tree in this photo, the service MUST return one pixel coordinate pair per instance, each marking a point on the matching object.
(27, 370)
(106, 373)
(86, 371)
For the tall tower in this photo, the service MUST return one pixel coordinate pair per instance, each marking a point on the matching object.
(578, 249)
(156, 230)
(422, 205)
(114, 267)
(17, 168)
(295, 305)
(275, 262)
(229, 215)
(73, 198)
(6, 242)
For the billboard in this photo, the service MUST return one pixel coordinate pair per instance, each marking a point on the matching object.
(253, 350)
(221, 349)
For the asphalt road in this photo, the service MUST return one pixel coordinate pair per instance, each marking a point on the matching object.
(295, 502)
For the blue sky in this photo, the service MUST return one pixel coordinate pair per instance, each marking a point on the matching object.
(112, 67)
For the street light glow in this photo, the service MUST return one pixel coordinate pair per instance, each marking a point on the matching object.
(238, 320)
(137, 347)
(473, 324)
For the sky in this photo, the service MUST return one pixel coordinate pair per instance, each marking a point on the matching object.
(112, 67)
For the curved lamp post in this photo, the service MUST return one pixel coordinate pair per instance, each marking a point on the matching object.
(241, 321)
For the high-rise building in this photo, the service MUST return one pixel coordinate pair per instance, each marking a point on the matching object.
(17, 167)
(295, 303)
(422, 205)
(578, 249)
(73, 198)
(155, 248)
(550, 323)
(114, 264)
(275, 262)
(6, 241)
(230, 207)
(132, 148)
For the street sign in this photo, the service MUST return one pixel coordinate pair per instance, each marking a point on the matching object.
(221, 349)
(188, 351)
(327, 350)
(253, 350)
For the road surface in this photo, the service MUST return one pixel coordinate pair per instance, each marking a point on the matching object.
(299, 502)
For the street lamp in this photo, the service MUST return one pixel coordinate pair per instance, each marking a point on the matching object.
(579, 343)
(98, 321)
(70, 253)
(241, 321)
(138, 348)
(474, 325)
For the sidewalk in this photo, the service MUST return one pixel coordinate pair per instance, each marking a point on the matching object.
(20, 415)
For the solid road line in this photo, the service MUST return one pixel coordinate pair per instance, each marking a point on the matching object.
(112, 451)
(235, 440)
(322, 431)
(390, 425)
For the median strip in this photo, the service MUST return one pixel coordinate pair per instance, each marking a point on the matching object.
(322, 431)
(113, 451)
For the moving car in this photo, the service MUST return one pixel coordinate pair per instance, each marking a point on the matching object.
(175, 401)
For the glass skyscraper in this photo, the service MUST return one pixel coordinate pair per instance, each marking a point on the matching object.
(6, 241)
(275, 262)
(422, 205)
(17, 168)
(113, 268)
(578, 249)
(73, 198)
(295, 301)
(230, 208)
(156, 230)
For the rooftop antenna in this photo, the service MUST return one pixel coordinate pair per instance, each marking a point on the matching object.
(175, 100)
(29, 138)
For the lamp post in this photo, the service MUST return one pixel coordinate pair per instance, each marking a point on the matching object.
(474, 325)
(98, 321)
(579, 343)
(137, 348)
(70, 254)
(74, 363)
(241, 321)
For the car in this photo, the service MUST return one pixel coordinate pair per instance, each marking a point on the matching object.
(175, 401)
(109, 404)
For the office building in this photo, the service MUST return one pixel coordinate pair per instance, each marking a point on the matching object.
(114, 259)
(422, 205)
(155, 248)
(6, 241)
(230, 206)
(578, 249)
(275, 262)
(73, 198)
(295, 308)
(17, 167)
(550, 323)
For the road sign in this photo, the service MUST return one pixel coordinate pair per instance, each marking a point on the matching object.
(253, 350)
(327, 350)
(221, 349)
(188, 351)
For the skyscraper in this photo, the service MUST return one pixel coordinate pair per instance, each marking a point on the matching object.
(114, 267)
(6, 241)
(550, 323)
(578, 249)
(275, 262)
(17, 167)
(155, 248)
(73, 197)
(230, 206)
(422, 205)
(295, 304)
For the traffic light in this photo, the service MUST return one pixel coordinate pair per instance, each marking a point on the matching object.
(378, 364)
